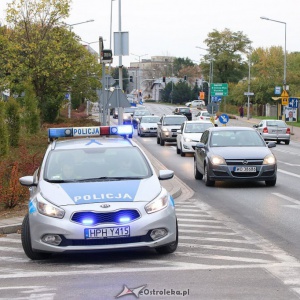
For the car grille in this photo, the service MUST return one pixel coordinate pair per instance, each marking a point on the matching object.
(106, 241)
(108, 217)
(174, 130)
(245, 174)
(241, 162)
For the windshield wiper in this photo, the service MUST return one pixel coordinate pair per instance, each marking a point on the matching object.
(108, 178)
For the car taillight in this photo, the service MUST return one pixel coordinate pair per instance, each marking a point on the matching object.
(201, 118)
(265, 130)
(288, 131)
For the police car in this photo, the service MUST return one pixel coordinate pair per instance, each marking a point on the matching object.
(95, 193)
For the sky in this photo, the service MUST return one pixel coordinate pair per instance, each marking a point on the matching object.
(176, 28)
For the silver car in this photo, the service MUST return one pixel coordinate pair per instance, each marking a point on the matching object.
(274, 130)
(148, 126)
(94, 193)
(189, 135)
(234, 154)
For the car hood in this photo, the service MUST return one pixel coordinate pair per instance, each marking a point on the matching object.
(193, 136)
(72, 193)
(241, 152)
(148, 124)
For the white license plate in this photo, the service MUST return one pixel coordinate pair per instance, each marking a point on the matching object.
(107, 232)
(244, 169)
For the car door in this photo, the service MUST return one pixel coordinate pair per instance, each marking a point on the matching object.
(180, 134)
(201, 153)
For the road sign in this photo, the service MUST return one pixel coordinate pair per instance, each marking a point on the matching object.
(212, 107)
(249, 94)
(216, 98)
(277, 90)
(284, 101)
(118, 99)
(284, 94)
(293, 102)
(108, 80)
(219, 89)
(67, 96)
(224, 118)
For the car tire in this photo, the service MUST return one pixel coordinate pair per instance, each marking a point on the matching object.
(167, 249)
(162, 142)
(177, 150)
(271, 182)
(206, 178)
(138, 133)
(181, 152)
(26, 242)
(197, 174)
(158, 139)
(287, 142)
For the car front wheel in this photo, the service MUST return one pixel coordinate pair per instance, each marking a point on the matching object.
(171, 247)
(26, 242)
(270, 182)
(197, 174)
(162, 142)
(206, 178)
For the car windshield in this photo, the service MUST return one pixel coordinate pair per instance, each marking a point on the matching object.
(150, 119)
(174, 121)
(236, 138)
(139, 113)
(184, 110)
(129, 109)
(276, 123)
(197, 127)
(96, 164)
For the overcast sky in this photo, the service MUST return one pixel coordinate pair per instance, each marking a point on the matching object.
(175, 28)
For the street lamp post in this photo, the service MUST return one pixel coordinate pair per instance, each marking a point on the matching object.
(71, 25)
(284, 64)
(139, 74)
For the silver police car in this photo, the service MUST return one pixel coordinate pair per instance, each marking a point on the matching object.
(95, 193)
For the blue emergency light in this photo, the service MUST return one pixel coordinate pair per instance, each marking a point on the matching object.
(122, 130)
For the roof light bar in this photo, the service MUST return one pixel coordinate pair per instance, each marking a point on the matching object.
(123, 130)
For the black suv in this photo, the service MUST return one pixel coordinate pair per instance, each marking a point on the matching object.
(186, 111)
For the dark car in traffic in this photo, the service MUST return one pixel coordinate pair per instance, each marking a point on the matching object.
(234, 154)
(186, 111)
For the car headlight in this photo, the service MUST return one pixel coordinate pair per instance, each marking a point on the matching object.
(187, 140)
(269, 160)
(158, 203)
(48, 209)
(217, 160)
(165, 129)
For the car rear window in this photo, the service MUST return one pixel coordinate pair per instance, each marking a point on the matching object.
(276, 123)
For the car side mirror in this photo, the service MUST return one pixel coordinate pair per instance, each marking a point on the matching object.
(255, 126)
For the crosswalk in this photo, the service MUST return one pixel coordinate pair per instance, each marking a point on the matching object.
(207, 240)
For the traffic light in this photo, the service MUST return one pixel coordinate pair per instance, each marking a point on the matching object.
(131, 78)
(164, 79)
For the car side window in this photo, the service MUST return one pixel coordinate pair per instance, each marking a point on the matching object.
(204, 137)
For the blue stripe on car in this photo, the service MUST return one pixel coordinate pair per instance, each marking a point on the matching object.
(95, 192)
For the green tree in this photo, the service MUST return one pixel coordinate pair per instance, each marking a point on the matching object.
(4, 138)
(13, 121)
(226, 49)
(115, 74)
(181, 92)
(48, 53)
(180, 63)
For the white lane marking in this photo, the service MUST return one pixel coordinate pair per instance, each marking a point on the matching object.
(297, 202)
(193, 215)
(223, 257)
(174, 266)
(288, 164)
(199, 231)
(10, 240)
(288, 173)
(11, 249)
(204, 239)
(201, 226)
(223, 248)
(198, 220)
(14, 259)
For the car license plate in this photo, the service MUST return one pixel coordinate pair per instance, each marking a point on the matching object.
(244, 169)
(106, 232)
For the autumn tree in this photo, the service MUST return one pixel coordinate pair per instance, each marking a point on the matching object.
(46, 52)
